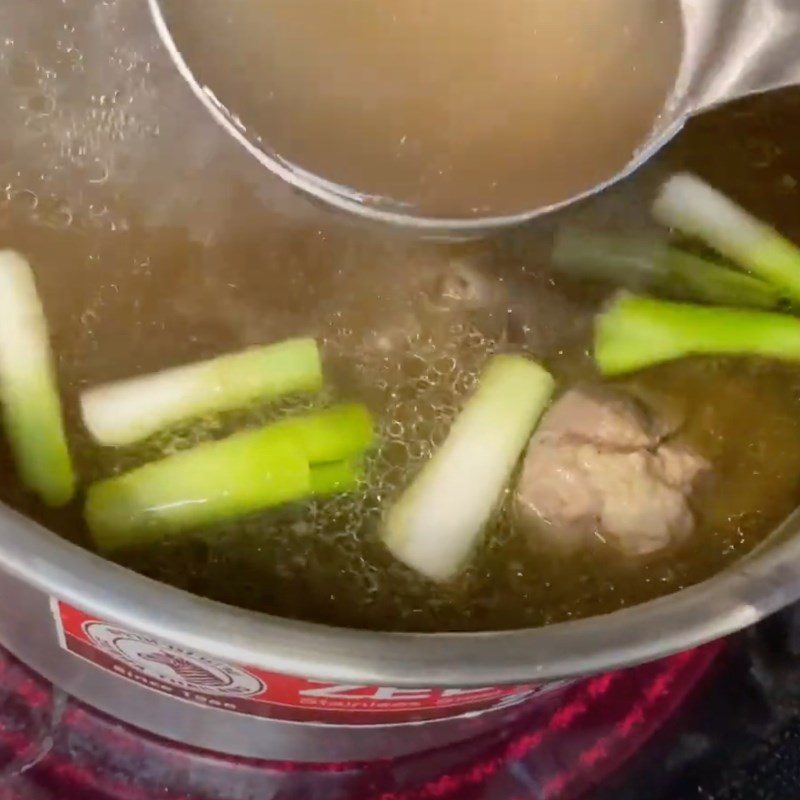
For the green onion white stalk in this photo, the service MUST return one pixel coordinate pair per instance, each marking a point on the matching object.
(694, 208)
(435, 525)
(32, 413)
(638, 332)
(127, 411)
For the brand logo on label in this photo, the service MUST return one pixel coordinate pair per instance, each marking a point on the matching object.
(171, 665)
(207, 681)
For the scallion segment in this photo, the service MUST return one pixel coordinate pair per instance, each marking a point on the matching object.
(212, 483)
(127, 411)
(32, 413)
(635, 263)
(219, 481)
(333, 434)
(694, 208)
(438, 521)
(638, 332)
(649, 264)
(336, 477)
(690, 277)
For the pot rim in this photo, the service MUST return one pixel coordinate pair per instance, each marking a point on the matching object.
(756, 586)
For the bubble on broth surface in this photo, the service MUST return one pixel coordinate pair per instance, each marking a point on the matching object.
(100, 119)
(420, 388)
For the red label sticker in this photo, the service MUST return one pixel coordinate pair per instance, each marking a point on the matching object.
(197, 678)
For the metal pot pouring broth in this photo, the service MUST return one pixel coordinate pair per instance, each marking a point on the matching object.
(725, 51)
(100, 179)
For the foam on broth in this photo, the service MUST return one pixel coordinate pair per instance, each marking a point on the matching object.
(455, 108)
(155, 243)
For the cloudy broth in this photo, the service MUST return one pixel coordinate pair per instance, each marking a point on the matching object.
(454, 108)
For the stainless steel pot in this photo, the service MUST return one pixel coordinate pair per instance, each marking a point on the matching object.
(109, 639)
(244, 683)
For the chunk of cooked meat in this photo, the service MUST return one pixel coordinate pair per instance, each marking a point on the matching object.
(462, 284)
(601, 467)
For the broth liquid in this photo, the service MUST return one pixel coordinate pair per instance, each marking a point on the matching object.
(455, 108)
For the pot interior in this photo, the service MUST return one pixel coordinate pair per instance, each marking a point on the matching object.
(156, 242)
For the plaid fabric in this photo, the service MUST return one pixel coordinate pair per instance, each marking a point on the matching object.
(54, 748)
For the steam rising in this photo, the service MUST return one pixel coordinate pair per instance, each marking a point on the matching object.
(99, 122)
